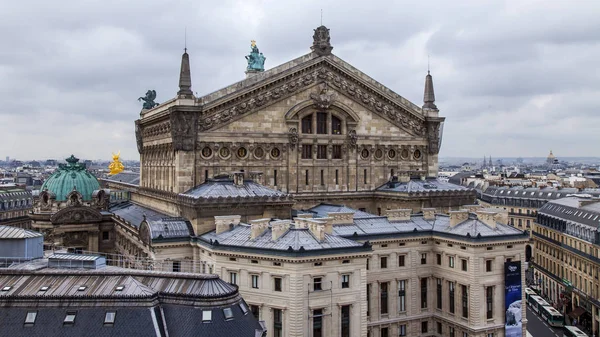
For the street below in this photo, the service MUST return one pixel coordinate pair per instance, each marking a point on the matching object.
(539, 328)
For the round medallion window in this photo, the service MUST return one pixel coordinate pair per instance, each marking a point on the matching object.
(206, 152)
(259, 152)
(392, 154)
(417, 154)
(242, 152)
(379, 154)
(404, 154)
(364, 153)
(224, 152)
(275, 153)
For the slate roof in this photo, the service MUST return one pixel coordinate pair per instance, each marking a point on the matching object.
(535, 192)
(366, 224)
(420, 186)
(225, 188)
(140, 307)
(569, 209)
(15, 199)
(132, 178)
(9, 232)
(296, 238)
(162, 226)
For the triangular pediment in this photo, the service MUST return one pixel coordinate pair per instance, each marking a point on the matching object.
(256, 93)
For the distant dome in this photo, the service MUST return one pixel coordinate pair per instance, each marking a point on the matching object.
(70, 175)
(551, 156)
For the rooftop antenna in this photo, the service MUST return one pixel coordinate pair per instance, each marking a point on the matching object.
(427, 64)
(185, 40)
(321, 16)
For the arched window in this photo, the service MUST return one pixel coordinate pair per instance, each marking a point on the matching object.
(336, 126)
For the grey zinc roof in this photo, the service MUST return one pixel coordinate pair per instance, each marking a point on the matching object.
(569, 209)
(418, 185)
(162, 226)
(536, 193)
(322, 210)
(79, 257)
(132, 178)
(225, 188)
(295, 237)
(9, 232)
(134, 213)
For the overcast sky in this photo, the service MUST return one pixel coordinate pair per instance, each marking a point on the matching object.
(512, 78)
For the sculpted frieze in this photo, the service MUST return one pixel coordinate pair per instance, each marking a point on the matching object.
(434, 136)
(183, 130)
(157, 129)
(138, 136)
(332, 78)
(76, 215)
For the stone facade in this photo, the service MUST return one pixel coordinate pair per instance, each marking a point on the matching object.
(15, 204)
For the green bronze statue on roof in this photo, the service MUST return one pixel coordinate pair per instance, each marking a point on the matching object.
(149, 99)
(256, 60)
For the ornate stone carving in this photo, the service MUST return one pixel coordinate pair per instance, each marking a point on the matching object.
(157, 129)
(369, 98)
(352, 138)
(74, 198)
(293, 136)
(321, 41)
(324, 98)
(183, 130)
(434, 136)
(138, 136)
(78, 214)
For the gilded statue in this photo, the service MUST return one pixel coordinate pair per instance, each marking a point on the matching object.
(116, 166)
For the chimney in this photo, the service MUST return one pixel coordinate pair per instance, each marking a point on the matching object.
(457, 217)
(305, 215)
(399, 214)
(317, 228)
(342, 218)
(278, 228)
(472, 208)
(238, 178)
(404, 178)
(226, 222)
(258, 227)
(488, 218)
(328, 225)
(428, 213)
(256, 176)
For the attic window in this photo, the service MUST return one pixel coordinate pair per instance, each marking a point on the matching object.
(228, 313)
(509, 246)
(244, 307)
(7, 288)
(44, 288)
(119, 288)
(82, 288)
(254, 261)
(109, 317)
(317, 264)
(277, 264)
(30, 318)
(70, 318)
(206, 316)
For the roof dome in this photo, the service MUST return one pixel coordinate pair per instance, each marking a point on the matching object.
(551, 155)
(69, 176)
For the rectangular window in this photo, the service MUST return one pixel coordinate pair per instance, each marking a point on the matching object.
(322, 178)
(205, 175)
(424, 258)
(336, 126)
(424, 327)
(109, 317)
(337, 152)
(277, 283)
(488, 265)
(307, 124)
(451, 294)
(423, 293)
(463, 263)
(451, 330)
(368, 298)
(383, 262)
(317, 284)
(321, 123)
(402, 330)
(254, 281)
(365, 175)
(383, 290)
(318, 323)
(384, 332)
(105, 235)
(465, 301)
(489, 299)
(306, 177)
(176, 266)
(233, 278)
(439, 328)
(401, 260)
(345, 281)
(337, 177)
(306, 151)
(402, 295)
(274, 177)
(277, 323)
(70, 318)
(438, 258)
(255, 309)
(451, 261)
(345, 317)
(321, 151)
(30, 318)
(439, 293)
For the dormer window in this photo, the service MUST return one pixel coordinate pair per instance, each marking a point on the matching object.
(7, 288)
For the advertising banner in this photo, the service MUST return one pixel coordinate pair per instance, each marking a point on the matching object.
(512, 299)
